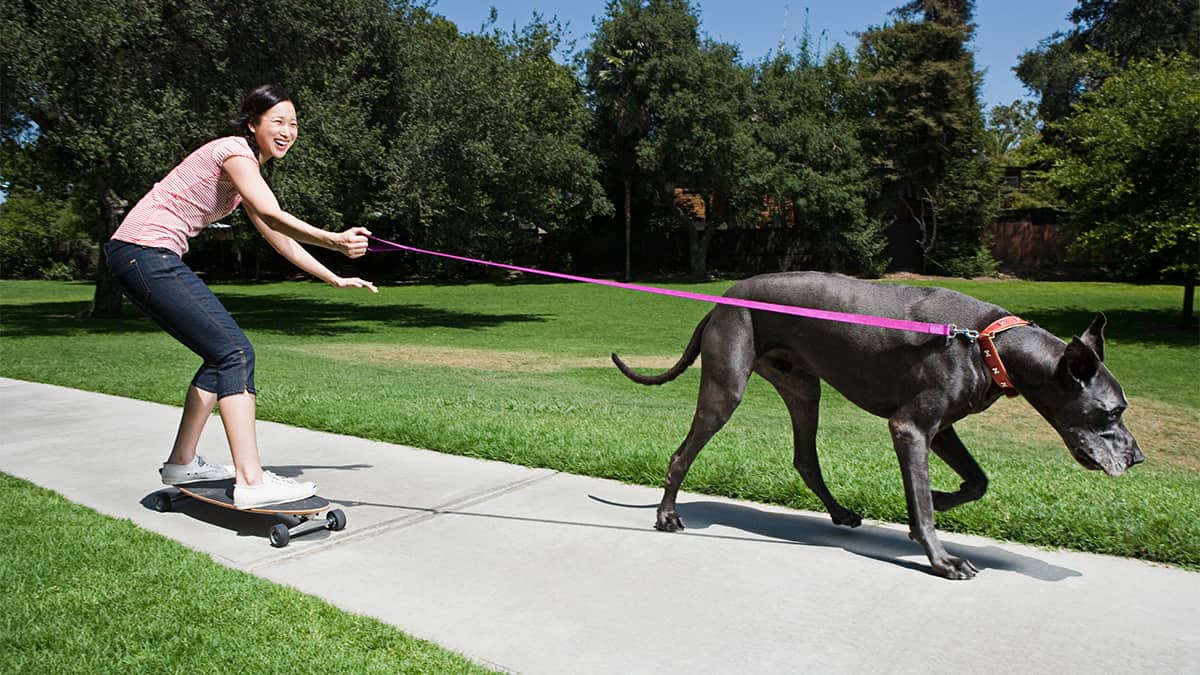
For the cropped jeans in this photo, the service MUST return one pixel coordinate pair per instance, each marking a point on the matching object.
(170, 293)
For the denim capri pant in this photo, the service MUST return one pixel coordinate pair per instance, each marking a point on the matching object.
(170, 293)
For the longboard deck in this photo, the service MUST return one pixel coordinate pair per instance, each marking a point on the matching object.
(220, 493)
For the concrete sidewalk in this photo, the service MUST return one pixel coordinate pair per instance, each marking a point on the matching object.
(536, 571)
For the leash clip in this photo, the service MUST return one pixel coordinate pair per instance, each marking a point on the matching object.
(955, 331)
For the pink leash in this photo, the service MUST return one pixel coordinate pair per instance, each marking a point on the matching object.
(383, 245)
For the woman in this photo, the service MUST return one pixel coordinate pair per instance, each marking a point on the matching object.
(145, 256)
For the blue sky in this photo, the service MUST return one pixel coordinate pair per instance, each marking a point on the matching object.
(1004, 28)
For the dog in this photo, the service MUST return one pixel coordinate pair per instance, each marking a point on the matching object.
(921, 384)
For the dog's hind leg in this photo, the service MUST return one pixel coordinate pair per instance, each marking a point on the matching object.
(952, 451)
(728, 359)
(801, 393)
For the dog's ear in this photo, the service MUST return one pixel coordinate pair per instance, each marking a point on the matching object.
(1078, 364)
(1094, 335)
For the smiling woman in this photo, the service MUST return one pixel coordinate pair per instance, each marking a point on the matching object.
(145, 256)
(268, 122)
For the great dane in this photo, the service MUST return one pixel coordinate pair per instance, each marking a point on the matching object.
(921, 384)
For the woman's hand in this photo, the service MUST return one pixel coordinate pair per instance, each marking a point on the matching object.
(353, 282)
(352, 242)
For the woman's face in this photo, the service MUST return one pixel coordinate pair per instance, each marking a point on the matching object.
(275, 131)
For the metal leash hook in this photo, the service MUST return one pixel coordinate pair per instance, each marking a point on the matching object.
(970, 334)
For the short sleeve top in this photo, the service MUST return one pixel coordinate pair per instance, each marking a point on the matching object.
(195, 194)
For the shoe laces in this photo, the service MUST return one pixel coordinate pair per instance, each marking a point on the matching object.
(276, 478)
(200, 463)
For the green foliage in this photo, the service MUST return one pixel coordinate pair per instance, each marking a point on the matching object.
(813, 163)
(924, 121)
(775, 138)
(1125, 30)
(479, 142)
(1127, 162)
(44, 237)
(863, 245)
(487, 141)
(1008, 128)
(406, 125)
(643, 54)
(117, 91)
(703, 142)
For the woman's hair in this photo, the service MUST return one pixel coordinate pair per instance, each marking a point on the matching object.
(258, 101)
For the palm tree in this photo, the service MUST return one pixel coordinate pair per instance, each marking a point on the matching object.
(621, 101)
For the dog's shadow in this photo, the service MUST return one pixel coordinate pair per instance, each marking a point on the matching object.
(878, 543)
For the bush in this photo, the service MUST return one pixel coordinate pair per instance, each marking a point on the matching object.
(865, 247)
(968, 264)
(44, 238)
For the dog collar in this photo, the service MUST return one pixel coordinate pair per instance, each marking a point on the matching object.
(991, 357)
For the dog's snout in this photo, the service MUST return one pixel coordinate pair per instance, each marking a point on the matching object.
(1136, 457)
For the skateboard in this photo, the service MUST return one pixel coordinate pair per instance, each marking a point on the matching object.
(301, 513)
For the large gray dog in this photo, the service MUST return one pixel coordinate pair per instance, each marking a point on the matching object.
(921, 384)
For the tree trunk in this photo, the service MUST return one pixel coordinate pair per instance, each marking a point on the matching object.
(1189, 303)
(698, 244)
(628, 219)
(106, 301)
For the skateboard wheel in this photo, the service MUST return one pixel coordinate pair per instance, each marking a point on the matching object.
(162, 502)
(279, 535)
(335, 520)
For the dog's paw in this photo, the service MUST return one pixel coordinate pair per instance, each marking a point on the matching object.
(669, 522)
(846, 517)
(954, 568)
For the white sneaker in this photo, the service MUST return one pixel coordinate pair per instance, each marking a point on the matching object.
(198, 470)
(272, 490)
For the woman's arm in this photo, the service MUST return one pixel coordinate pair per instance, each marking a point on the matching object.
(298, 256)
(260, 201)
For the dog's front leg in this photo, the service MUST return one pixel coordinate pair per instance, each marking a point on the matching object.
(950, 448)
(912, 449)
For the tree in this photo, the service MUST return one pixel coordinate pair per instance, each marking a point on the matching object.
(638, 49)
(484, 140)
(406, 123)
(806, 119)
(1123, 29)
(107, 92)
(1008, 126)
(1127, 163)
(924, 127)
(703, 142)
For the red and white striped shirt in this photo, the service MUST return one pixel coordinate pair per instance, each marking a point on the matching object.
(193, 195)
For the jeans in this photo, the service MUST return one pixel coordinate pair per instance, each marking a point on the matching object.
(170, 293)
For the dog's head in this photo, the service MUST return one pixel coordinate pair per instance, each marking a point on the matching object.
(1084, 403)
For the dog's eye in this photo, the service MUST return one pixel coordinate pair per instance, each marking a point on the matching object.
(1116, 412)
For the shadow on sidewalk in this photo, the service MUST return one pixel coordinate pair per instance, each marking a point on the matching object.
(877, 543)
(772, 528)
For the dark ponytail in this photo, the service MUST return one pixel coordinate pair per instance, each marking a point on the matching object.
(258, 101)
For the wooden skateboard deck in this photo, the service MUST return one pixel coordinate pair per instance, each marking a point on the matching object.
(220, 493)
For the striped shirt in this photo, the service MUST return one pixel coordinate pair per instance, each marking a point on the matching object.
(194, 194)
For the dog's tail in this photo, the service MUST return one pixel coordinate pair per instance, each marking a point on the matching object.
(687, 359)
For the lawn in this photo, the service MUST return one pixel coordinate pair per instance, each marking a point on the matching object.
(84, 593)
(519, 372)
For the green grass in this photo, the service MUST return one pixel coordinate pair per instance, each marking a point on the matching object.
(425, 365)
(84, 593)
